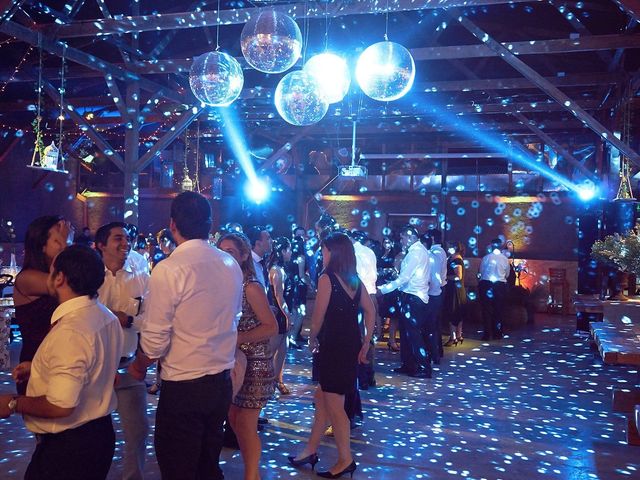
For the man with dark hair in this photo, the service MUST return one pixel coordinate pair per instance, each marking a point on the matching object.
(190, 326)
(84, 238)
(492, 288)
(261, 246)
(70, 393)
(413, 282)
(124, 287)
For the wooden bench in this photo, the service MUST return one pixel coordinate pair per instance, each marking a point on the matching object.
(619, 344)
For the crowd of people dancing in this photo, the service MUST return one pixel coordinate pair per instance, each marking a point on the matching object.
(217, 314)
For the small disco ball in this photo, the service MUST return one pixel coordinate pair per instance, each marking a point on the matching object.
(216, 78)
(271, 42)
(385, 71)
(332, 75)
(298, 99)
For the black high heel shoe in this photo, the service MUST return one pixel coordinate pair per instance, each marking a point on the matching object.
(452, 342)
(460, 339)
(350, 469)
(311, 459)
(393, 347)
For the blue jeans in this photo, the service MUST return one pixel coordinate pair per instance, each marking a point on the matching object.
(132, 408)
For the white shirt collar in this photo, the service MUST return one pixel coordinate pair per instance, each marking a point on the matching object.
(71, 306)
(256, 258)
(193, 243)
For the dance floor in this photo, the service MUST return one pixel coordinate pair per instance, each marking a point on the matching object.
(534, 405)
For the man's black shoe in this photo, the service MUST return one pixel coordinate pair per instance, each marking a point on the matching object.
(420, 374)
(401, 369)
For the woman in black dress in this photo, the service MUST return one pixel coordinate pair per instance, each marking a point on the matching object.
(335, 336)
(455, 295)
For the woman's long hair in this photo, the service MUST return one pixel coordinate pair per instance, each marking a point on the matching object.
(280, 245)
(459, 248)
(343, 258)
(241, 242)
(35, 240)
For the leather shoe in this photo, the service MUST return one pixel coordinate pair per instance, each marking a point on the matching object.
(420, 374)
(401, 369)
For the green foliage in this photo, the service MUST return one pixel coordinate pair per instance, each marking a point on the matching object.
(38, 134)
(620, 251)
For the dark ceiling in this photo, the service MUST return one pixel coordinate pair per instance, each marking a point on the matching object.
(587, 51)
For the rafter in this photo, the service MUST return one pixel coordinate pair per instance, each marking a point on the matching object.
(100, 142)
(198, 19)
(556, 146)
(8, 8)
(78, 56)
(167, 138)
(549, 89)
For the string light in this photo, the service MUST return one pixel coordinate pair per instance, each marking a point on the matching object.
(16, 70)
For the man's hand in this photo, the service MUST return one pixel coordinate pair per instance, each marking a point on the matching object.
(22, 372)
(122, 318)
(138, 368)
(5, 412)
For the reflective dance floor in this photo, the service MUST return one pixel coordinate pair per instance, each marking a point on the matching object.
(534, 405)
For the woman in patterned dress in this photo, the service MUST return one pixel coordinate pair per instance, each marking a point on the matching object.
(257, 325)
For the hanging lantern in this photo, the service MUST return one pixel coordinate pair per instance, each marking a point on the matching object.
(271, 42)
(216, 79)
(298, 99)
(332, 74)
(385, 71)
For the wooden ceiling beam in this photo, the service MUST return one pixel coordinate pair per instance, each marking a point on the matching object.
(199, 19)
(78, 56)
(550, 89)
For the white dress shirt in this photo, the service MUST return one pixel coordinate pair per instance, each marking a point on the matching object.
(141, 262)
(75, 365)
(438, 260)
(414, 274)
(494, 267)
(366, 267)
(192, 310)
(118, 293)
(259, 270)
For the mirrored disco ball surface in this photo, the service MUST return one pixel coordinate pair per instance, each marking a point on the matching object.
(332, 74)
(385, 71)
(216, 78)
(298, 99)
(271, 42)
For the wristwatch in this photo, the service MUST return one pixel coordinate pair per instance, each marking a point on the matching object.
(13, 403)
(129, 321)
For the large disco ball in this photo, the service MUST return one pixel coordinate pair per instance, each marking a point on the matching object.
(298, 99)
(271, 42)
(216, 78)
(332, 74)
(385, 71)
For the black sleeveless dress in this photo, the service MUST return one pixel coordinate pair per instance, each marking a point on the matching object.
(339, 340)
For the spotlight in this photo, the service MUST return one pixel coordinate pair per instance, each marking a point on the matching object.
(586, 191)
(257, 190)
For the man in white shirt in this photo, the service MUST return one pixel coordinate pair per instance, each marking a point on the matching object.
(366, 267)
(494, 270)
(124, 287)
(413, 282)
(70, 393)
(437, 281)
(261, 246)
(190, 325)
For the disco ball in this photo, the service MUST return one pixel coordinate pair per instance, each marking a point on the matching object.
(385, 71)
(271, 42)
(216, 78)
(298, 99)
(332, 74)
